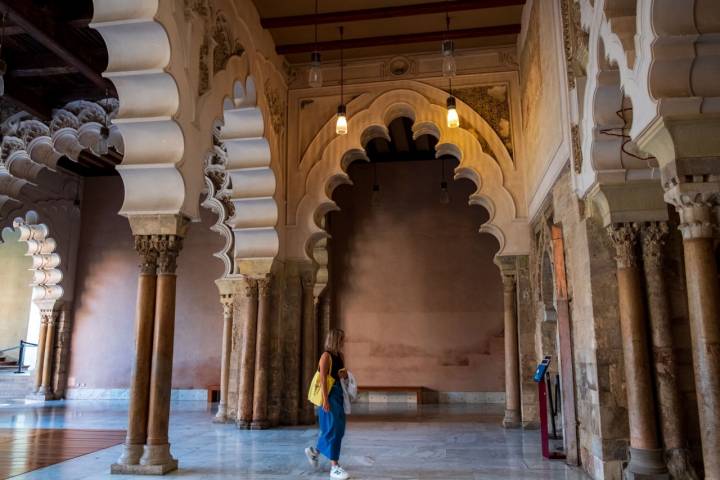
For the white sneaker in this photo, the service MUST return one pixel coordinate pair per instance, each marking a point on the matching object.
(312, 455)
(337, 473)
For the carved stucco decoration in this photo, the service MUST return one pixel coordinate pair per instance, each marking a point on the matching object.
(219, 44)
(575, 40)
(493, 104)
(277, 107)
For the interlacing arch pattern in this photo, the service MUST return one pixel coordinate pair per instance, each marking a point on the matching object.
(328, 168)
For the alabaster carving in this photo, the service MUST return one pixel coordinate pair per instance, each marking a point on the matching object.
(145, 247)
(168, 248)
(625, 239)
(654, 237)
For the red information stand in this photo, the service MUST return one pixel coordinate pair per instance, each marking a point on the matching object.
(539, 378)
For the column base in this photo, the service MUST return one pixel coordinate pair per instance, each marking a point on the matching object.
(130, 455)
(646, 465)
(41, 396)
(243, 424)
(122, 469)
(156, 460)
(220, 418)
(679, 465)
(512, 419)
(259, 425)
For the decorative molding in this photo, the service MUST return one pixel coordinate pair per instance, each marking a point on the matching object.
(277, 107)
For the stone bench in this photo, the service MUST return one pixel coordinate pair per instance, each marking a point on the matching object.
(416, 391)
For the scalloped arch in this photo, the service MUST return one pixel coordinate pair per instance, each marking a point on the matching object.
(334, 158)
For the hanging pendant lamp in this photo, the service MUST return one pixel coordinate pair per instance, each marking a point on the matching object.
(341, 125)
(315, 75)
(449, 69)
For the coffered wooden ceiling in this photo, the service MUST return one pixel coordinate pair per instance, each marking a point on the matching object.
(387, 27)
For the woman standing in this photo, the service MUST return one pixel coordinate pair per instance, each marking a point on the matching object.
(331, 415)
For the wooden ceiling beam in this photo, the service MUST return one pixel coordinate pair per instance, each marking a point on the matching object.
(385, 12)
(437, 36)
(56, 37)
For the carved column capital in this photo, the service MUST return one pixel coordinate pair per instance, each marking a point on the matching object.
(168, 248)
(509, 282)
(625, 238)
(227, 303)
(695, 206)
(265, 285)
(308, 280)
(250, 288)
(145, 247)
(653, 240)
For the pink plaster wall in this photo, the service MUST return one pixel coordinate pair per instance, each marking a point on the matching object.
(103, 331)
(415, 286)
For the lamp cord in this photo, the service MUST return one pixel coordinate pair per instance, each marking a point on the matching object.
(341, 66)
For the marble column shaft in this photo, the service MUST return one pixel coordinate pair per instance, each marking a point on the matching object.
(262, 356)
(40, 362)
(309, 353)
(157, 447)
(227, 303)
(703, 290)
(512, 369)
(247, 355)
(140, 380)
(293, 340)
(669, 405)
(645, 454)
(48, 354)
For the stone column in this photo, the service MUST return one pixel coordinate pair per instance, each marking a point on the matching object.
(703, 290)
(247, 355)
(646, 456)
(227, 303)
(156, 455)
(292, 337)
(48, 355)
(512, 375)
(309, 337)
(40, 361)
(262, 356)
(140, 380)
(671, 426)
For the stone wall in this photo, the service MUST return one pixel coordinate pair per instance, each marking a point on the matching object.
(15, 293)
(414, 283)
(103, 332)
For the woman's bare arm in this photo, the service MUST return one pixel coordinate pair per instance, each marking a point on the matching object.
(324, 372)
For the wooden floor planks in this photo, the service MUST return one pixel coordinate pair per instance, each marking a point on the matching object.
(25, 450)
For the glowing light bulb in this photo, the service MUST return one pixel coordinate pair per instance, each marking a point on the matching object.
(315, 75)
(341, 126)
(453, 120)
(449, 68)
(444, 194)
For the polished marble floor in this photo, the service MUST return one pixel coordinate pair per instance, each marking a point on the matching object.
(429, 442)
